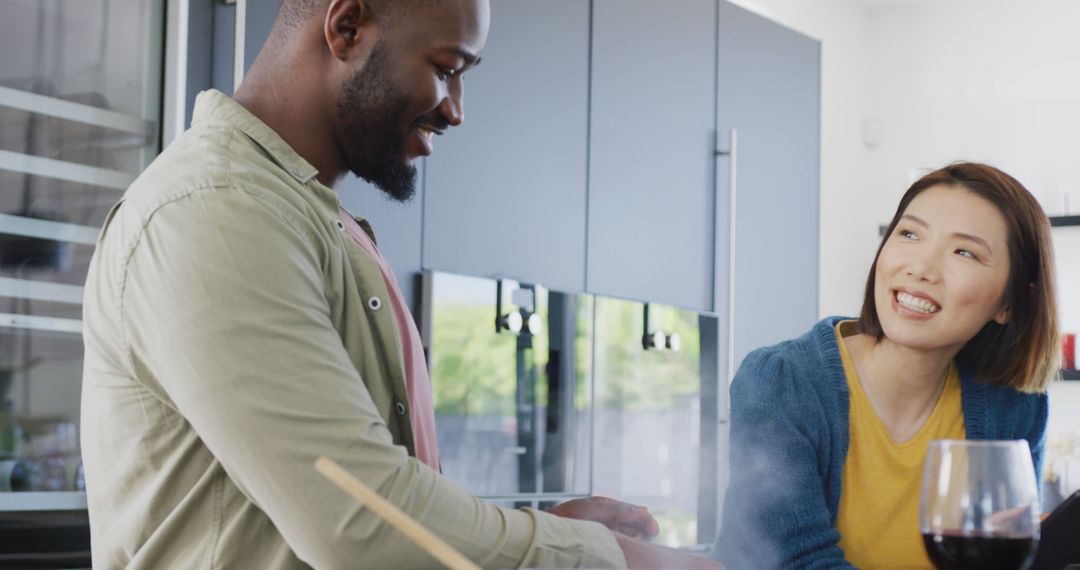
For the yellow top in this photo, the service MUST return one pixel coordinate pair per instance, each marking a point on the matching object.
(879, 497)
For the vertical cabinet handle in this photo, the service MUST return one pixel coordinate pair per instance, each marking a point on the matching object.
(238, 47)
(733, 159)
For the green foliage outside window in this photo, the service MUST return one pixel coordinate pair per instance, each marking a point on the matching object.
(635, 379)
(473, 368)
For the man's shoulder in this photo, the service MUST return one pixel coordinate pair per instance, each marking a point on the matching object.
(200, 158)
(217, 163)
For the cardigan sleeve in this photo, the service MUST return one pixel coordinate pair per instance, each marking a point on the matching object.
(776, 510)
(1037, 437)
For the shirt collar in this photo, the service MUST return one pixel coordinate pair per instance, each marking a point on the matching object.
(213, 105)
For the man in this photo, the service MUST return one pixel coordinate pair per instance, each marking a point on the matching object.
(239, 324)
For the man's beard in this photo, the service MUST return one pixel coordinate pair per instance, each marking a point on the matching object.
(371, 131)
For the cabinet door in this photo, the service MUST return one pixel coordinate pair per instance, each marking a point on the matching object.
(651, 151)
(768, 90)
(505, 192)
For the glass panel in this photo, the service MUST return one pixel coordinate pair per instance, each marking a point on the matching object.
(497, 435)
(80, 90)
(487, 385)
(648, 414)
(103, 53)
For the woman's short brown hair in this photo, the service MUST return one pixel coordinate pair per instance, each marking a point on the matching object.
(1022, 353)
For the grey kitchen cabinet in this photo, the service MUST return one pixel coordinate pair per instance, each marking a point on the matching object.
(503, 195)
(768, 94)
(596, 156)
(766, 213)
(652, 121)
(505, 192)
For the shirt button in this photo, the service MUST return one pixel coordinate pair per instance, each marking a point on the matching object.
(400, 409)
(374, 303)
(340, 225)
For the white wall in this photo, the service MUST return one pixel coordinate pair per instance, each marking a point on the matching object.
(988, 80)
(936, 81)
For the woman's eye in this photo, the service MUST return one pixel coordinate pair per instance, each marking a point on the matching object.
(907, 234)
(966, 253)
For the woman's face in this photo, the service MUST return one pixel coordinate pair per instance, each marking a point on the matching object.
(942, 274)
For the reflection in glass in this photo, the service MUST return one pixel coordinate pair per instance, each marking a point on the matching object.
(648, 415)
(498, 433)
(80, 91)
(514, 411)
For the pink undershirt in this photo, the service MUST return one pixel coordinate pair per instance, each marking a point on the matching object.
(417, 381)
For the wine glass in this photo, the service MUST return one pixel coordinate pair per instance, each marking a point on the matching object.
(979, 506)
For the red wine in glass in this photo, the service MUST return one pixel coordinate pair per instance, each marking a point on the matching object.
(959, 551)
(979, 505)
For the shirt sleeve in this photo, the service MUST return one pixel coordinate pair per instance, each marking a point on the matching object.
(775, 510)
(225, 311)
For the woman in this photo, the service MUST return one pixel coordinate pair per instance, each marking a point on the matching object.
(957, 338)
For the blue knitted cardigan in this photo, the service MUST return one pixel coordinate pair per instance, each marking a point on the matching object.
(789, 438)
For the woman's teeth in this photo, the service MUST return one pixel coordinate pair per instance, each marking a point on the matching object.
(916, 304)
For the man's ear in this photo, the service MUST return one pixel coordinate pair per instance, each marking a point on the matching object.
(348, 26)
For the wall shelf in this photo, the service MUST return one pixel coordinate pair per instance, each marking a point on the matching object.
(1060, 222)
(1063, 221)
(36, 322)
(43, 501)
(40, 290)
(63, 170)
(71, 111)
(48, 229)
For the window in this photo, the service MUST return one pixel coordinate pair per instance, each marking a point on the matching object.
(80, 92)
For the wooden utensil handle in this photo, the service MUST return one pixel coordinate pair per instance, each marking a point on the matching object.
(397, 518)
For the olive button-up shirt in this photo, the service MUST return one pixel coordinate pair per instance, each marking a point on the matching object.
(229, 345)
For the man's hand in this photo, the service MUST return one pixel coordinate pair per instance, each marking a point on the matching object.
(631, 520)
(646, 555)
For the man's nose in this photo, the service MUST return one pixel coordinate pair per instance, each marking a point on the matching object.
(452, 106)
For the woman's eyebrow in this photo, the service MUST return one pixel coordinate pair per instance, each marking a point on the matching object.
(975, 239)
(915, 219)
